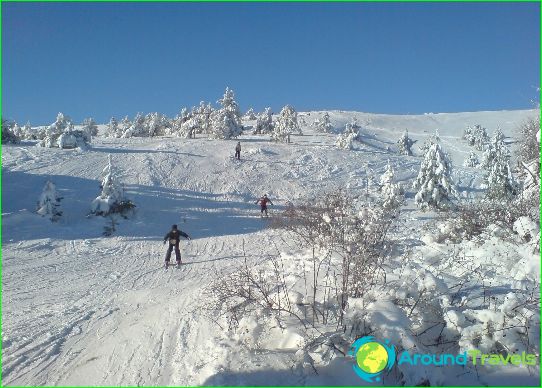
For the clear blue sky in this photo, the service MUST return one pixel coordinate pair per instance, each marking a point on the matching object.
(115, 59)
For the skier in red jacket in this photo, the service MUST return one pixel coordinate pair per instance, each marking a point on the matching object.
(263, 204)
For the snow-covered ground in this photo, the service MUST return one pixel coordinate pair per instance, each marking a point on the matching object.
(79, 308)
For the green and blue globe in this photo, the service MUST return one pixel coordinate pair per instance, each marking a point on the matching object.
(372, 357)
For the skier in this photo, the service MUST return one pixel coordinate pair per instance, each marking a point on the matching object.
(174, 238)
(263, 204)
(238, 150)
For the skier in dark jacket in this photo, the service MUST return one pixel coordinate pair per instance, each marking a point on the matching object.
(238, 150)
(263, 204)
(174, 237)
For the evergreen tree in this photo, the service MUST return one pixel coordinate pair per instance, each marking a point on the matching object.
(324, 124)
(471, 160)
(392, 193)
(250, 115)
(476, 137)
(8, 135)
(345, 141)
(434, 183)
(55, 130)
(353, 127)
(112, 198)
(286, 125)
(226, 121)
(264, 123)
(49, 202)
(89, 126)
(113, 129)
(405, 144)
(499, 181)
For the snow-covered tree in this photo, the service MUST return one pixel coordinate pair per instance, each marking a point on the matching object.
(434, 183)
(476, 137)
(155, 124)
(353, 127)
(202, 116)
(405, 144)
(29, 133)
(286, 125)
(471, 160)
(112, 198)
(49, 202)
(496, 149)
(499, 182)
(323, 124)
(138, 127)
(226, 121)
(89, 126)
(432, 139)
(112, 129)
(345, 141)
(264, 122)
(8, 135)
(55, 130)
(528, 160)
(250, 115)
(392, 193)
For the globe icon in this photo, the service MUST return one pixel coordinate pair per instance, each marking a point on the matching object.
(372, 357)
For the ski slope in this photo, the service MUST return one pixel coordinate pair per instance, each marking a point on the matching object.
(79, 308)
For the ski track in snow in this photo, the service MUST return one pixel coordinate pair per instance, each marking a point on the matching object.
(79, 308)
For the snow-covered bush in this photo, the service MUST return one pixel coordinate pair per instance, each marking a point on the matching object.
(345, 141)
(49, 202)
(432, 139)
(53, 131)
(434, 183)
(286, 125)
(471, 160)
(62, 134)
(404, 144)
(476, 137)
(8, 135)
(112, 198)
(264, 123)
(392, 193)
(323, 124)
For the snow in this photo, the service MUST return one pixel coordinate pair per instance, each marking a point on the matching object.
(79, 308)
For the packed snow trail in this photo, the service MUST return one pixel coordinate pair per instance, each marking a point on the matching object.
(82, 309)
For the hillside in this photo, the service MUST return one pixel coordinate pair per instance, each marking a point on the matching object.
(79, 308)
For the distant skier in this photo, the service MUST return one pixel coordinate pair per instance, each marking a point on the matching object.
(263, 204)
(174, 237)
(238, 150)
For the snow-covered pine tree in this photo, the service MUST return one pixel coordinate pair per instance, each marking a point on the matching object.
(495, 150)
(392, 193)
(90, 127)
(323, 124)
(250, 115)
(264, 122)
(112, 198)
(353, 127)
(112, 129)
(49, 202)
(286, 125)
(528, 160)
(405, 144)
(476, 137)
(432, 139)
(226, 121)
(471, 160)
(202, 117)
(8, 135)
(499, 181)
(54, 131)
(345, 141)
(138, 127)
(155, 124)
(29, 132)
(434, 183)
